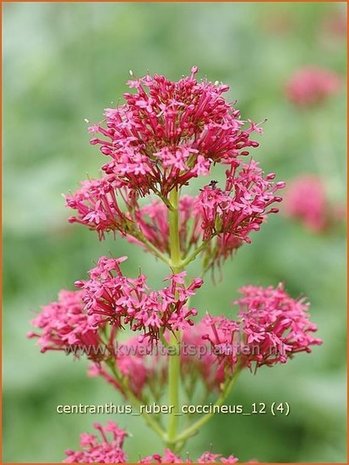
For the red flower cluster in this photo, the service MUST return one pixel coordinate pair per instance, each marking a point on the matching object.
(103, 205)
(271, 328)
(241, 208)
(110, 450)
(111, 297)
(94, 450)
(170, 457)
(64, 324)
(222, 218)
(170, 132)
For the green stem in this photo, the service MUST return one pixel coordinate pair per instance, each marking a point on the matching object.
(175, 250)
(193, 429)
(174, 356)
(194, 254)
(153, 249)
(173, 380)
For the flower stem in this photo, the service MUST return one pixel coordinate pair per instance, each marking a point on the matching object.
(194, 254)
(175, 250)
(174, 355)
(193, 429)
(153, 249)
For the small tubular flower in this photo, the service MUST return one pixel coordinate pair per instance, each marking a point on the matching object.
(311, 85)
(111, 297)
(63, 325)
(170, 132)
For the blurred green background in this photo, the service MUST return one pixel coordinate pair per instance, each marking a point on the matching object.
(66, 62)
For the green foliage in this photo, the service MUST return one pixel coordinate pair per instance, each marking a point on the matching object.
(66, 62)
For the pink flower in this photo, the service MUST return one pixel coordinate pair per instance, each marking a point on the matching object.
(198, 360)
(242, 207)
(63, 325)
(275, 324)
(103, 205)
(111, 297)
(227, 216)
(271, 328)
(170, 457)
(106, 450)
(312, 85)
(224, 217)
(140, 363)
(109, 449)
(170, 132)
(223, 338)
(306, 200)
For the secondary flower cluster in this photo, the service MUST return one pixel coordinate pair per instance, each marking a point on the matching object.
(103, 205)
(223, 219)
(238, 210)
(110, 297)
(228, 216)
(64, 324)
(109, 449)
(170, 132)
(271, 328)
(278, 324)
(104, 450)
(312, 85)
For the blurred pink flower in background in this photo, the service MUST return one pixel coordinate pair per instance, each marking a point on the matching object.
(311, 85)
(307, 201)
(335, 24)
